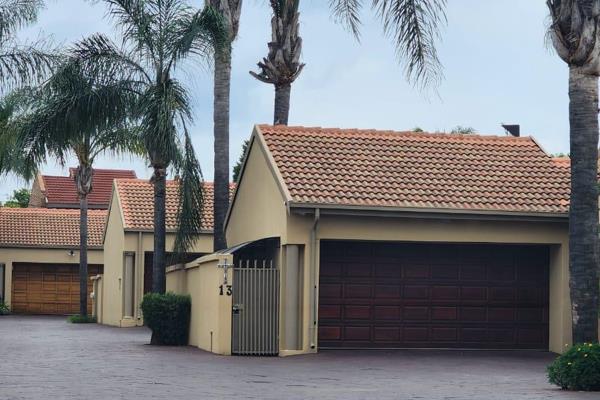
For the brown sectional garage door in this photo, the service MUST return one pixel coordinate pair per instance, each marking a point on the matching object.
(396, 295)
(48, 288)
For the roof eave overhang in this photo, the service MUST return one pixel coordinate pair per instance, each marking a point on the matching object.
(46, 246)
(75, 206)
(148, 230)
(429, 213)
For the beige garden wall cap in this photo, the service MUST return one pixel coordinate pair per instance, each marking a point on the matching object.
(370, 168)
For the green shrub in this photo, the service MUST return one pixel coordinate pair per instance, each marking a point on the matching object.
(168, 316)
(79, 319)
(4, 309)
(578, 368)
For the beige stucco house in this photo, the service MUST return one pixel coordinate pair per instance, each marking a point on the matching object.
(39, 258)
(129, 244)
(39, 245)
(403, 239)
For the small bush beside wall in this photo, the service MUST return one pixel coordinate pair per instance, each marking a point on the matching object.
(168, 316)
(578, 368)
(4, 310)
(78, 319)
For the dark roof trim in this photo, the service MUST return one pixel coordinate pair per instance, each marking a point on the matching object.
(46, 247)
(443, 213)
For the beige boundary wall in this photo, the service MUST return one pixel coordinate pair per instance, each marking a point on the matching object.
(210, 325)
(10, 256)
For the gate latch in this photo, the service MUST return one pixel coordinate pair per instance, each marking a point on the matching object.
(236, 308)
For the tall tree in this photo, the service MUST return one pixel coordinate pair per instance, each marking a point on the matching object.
(282, 65)
(413, 26)
(21, 63)
(73, 114)
(575, 34)
(19, 199)
(158, 37)
(230, 11)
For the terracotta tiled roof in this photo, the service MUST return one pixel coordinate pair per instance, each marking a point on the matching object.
(62, 192)
(137, 202)
(562, 161)
(370, 168)
(45, 227)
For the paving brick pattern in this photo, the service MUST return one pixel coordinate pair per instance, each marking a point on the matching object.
(47, 358)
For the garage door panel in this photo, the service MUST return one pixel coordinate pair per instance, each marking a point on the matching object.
(416, 271)
(48, 288)
(473, 314)
(444, 293)
(473, 294)
(330, 311)
(387, 334)
(415, 334)
(357, 291)
(357, 270)
(387, 291)
(412, 292)
(385, 313)
(444, 313)
(412, 313)
(388, 271)
(499, 314)
(357, 312)
(473, 272)
(430, 295)
(444, 334)
(445, 272)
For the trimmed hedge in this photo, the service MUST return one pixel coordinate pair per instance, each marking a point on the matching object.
(78, 319)
(578, 368)
(168, 316)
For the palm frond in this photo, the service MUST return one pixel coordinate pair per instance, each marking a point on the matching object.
(191, 197)
(24, 63)
(16, 14)
(414, 27)
(100, 56)
(347, 13)
(137, 25)
(162, 105)
(199, 33)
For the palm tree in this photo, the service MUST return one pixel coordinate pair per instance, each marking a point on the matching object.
(20, 63)
(158, 37)
(230, 11)
(282, 65)
(574, 31)
(413, 26)
(72, 114)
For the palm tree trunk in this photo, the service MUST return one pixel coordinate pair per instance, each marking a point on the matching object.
(159, 261)
(282, 104)
(83, 259)
(583, 215)
(221, 144)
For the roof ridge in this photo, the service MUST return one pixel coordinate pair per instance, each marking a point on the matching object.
(389, 132)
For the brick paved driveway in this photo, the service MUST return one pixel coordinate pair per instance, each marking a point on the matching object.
(47, 358)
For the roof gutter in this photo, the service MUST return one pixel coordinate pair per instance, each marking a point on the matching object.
(417, 212)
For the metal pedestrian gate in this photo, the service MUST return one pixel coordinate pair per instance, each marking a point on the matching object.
(255, 322)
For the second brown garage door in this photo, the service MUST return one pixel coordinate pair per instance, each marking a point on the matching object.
(407, 295)
(48, 288)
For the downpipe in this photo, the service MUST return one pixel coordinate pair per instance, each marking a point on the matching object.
(313, 278)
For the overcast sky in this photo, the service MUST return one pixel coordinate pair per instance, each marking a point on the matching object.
(497, 69)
